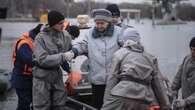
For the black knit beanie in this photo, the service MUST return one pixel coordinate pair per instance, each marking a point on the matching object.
(74, 31)
(54, 17)
(192, 42)
(113, 8)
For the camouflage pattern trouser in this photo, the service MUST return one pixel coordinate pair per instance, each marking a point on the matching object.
(47, 96)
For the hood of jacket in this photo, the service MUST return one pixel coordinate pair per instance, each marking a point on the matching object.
(134, 46)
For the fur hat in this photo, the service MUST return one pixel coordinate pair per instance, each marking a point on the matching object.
(101, 14)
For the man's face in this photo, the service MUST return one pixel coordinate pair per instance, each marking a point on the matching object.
(59, 26)
(192, 51)
(101, 25)
(115, 19)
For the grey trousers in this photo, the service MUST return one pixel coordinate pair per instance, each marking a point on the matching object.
(49, 96)
(120, 103)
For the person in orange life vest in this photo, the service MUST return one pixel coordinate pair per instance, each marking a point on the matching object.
(21, 78)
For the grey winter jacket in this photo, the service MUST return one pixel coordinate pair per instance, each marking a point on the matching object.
(99, 50)
(49, 54)
(132, 61)
(185, 79)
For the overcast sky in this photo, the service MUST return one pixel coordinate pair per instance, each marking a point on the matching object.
(132, 1)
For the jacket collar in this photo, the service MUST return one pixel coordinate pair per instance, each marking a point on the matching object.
(32, 34)
(51, 31)
(109, 32)
(135, 47)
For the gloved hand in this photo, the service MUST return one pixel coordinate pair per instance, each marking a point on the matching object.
(69, 55)
(179, 104)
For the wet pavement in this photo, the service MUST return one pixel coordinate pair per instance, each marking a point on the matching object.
(11, 101)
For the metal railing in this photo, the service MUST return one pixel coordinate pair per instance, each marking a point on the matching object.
(84, 106)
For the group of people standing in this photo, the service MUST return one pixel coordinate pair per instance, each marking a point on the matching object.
(122, 74)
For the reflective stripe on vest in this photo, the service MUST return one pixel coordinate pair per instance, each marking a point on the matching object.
(25, 39)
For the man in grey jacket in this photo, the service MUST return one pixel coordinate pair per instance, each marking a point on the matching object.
(99, 43)
(50, 47)
(133, 83)
(185, 79)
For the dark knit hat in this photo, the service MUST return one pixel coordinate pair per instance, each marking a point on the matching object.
(192, 42)
(101, 14)
(74, 31)
(54, 17)
(113, 8)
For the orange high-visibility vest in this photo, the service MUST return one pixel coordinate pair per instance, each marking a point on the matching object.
(25, 39)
